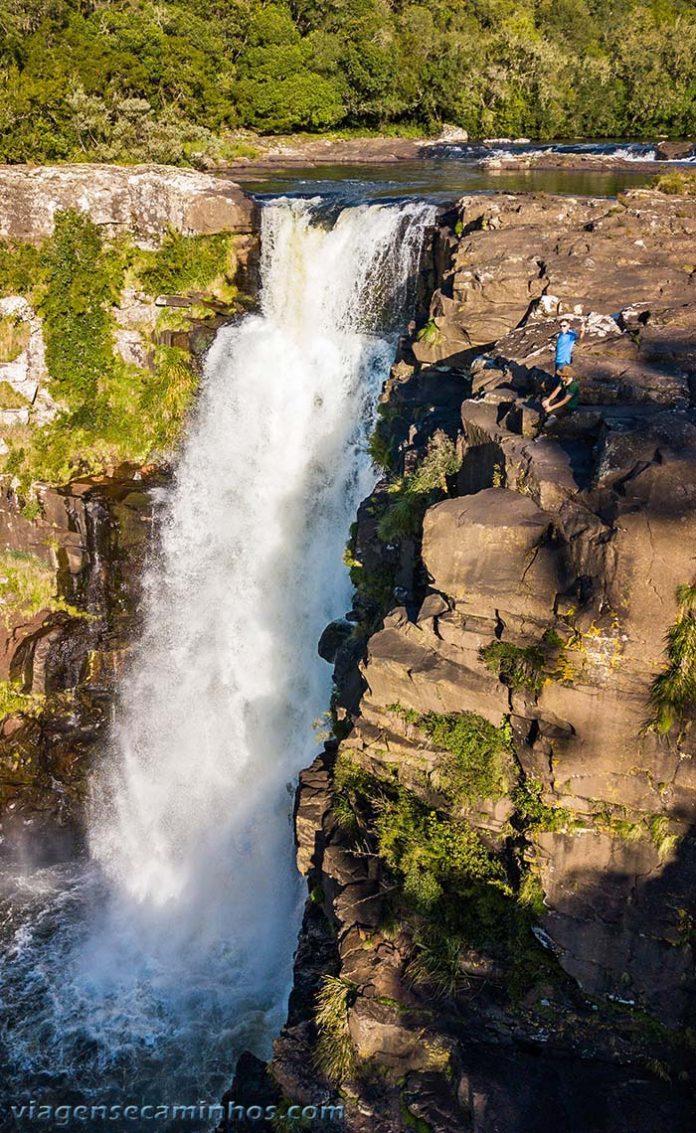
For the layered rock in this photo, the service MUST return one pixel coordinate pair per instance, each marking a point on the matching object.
(558, 551)
(145, 200)
(62, 663)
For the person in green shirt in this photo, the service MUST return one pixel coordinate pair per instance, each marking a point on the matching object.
(565, 395)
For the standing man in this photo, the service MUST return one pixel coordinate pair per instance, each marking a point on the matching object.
(565, 343)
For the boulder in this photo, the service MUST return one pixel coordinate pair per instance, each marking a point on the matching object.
(493, 551)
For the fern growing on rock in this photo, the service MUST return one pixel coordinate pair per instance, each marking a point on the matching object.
(673, 691)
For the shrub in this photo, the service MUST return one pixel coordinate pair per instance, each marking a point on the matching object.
(532, 813)
(434, 855)
(480, 761)
(82, 282)
(676, 183)
(380, 446)
(14, 336)
(20, 268)
(518, 667)
(436, 963)
(414, 493)
(186, 263)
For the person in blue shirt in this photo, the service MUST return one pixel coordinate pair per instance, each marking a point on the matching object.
(565, 344)
(566, 395)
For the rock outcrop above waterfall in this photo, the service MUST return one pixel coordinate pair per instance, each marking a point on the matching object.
(502, 843)
(144, 200)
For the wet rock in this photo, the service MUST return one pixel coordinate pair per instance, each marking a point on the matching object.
(333, 637)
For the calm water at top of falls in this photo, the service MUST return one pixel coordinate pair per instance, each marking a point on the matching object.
(139, 973)
(455, 172)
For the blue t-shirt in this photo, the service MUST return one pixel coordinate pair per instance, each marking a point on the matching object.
(564, 347)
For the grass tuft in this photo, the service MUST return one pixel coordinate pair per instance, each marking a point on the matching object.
(335, 1054)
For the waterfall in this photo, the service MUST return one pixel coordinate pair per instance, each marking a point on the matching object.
(171, 950)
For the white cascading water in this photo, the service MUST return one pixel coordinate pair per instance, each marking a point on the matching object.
(172, 950)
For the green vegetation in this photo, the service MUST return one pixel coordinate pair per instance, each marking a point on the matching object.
(172, 82)
(446, 881)
(379, 447)
(335, 1054)
(28, 585)
(183, 264)
(429, 333)
(673, 692)
(433, 854)
(13, 701)
(10, 399)
(412, 494)
(436, 963)
(110, 411)
(532, 813)
(14, 336)
(676, 183)
(479, 765)
(520, 668)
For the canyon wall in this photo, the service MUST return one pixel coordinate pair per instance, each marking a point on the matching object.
(499, 840)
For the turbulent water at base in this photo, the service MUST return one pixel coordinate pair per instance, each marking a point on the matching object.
(140, 975)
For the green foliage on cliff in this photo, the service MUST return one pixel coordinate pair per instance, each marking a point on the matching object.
(433, 854)
(673, 692)
(81, 282)
(28, 585)
(167, 82)
(532, 814)
(187, 263)
(13, 701)
(413, 493)
(479, 762)
(517, 666)
(335, 1054)
(110, 410)
(445, 879)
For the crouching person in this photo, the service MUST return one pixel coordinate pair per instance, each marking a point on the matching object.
(566, 395)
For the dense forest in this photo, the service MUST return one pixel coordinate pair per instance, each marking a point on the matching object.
(171, 80)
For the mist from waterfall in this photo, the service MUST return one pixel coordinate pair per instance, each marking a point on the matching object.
(145, 972)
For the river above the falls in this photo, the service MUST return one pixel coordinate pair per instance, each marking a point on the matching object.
(612, 168)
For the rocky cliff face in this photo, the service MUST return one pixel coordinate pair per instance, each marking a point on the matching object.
(59, 662)
(500, 849)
